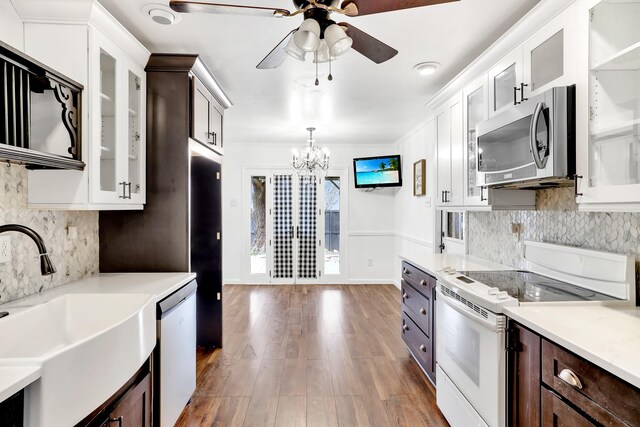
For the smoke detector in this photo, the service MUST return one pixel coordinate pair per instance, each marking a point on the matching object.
(160, 14)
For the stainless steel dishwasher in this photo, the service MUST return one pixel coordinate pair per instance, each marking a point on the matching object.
(175, 359)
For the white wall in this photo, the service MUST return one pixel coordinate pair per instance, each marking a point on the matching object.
(371, 215)
(11, 28)
(414, 216)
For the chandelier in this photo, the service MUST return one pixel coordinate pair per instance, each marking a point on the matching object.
(311, 160)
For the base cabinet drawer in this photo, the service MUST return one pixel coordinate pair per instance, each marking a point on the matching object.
(419, 344)
(557, 413)
(420, 306)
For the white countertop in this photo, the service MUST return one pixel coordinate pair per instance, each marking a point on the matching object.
(15, 378)
(608, 336)
(156, 285)
(436, 262)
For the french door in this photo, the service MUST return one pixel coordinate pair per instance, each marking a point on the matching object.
(294, 228)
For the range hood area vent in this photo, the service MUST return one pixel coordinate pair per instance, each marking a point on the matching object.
(40, 112)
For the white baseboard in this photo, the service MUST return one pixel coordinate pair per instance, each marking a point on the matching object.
(370, 282)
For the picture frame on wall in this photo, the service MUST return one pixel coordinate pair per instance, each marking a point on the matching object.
(419, 178)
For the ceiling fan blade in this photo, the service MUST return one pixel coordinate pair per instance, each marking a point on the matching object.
(369, 7)
(184, 6)
(367, 45)
(276, 57)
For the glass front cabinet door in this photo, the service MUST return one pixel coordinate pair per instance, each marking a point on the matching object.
(476, 109)
(608, 106)
(118, 124)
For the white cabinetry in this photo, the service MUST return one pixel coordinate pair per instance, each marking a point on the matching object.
(94, 49)
(608, 105)
(544, 60)
(450, 153)
(476, 109)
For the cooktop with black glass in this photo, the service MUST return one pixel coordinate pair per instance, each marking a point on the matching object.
(531, 287)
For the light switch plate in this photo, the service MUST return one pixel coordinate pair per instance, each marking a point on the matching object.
(5, 249)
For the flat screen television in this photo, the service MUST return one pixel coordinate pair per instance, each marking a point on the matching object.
(379, 171)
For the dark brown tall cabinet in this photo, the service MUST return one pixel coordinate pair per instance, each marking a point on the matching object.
(180, 228)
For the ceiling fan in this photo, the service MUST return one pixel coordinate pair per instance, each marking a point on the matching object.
(318, 33)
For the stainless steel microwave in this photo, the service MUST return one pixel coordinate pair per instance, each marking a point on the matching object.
(531, 145)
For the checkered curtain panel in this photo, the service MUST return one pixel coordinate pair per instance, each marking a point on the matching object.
(307, 230)
(283, 227)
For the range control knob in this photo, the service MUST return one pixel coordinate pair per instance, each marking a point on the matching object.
(502, 295)
(493, 291)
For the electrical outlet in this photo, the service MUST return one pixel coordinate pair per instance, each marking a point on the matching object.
(5, 249)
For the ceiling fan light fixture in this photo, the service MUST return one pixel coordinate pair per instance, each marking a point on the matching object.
(323, 53)
(426, 68)
(337, 40)
(293, 50)
(307, 38)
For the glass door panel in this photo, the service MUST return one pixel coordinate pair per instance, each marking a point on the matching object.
(547, 61)
(307, 228)
(134, 152)
(476, 107)
(503, 84)
(283, 228)
(332, 225)
(258, 218)
(108, 146)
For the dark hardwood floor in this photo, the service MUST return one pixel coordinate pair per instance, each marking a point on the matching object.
(311, 356)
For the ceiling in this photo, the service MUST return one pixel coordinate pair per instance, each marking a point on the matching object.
(365, 103)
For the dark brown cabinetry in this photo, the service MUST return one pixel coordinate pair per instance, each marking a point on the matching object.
(134, 408)
(12, 411)
(418, 316)
(206, 116)
(550, 386)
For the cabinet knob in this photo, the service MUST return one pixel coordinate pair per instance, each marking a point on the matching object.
(423, 348)
(405, 296)
(423, 311)
(569, 377)
(405, 328)
(423, 282)
(405, 271)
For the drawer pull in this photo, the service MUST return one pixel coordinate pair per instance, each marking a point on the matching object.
(423, 311)
(405, 327)
(405, 296)
(405, 271)
(423, 282)
(423, 348)
(570, 378)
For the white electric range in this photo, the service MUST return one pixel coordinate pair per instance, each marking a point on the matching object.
(470, 326)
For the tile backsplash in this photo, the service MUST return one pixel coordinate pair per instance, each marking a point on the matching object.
(73, 258)
(556, 220)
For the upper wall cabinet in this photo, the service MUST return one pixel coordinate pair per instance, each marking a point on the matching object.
(545, 60)
(98, 52)
(608, 105)
(206, 116)
(476, 109)
(450, 153)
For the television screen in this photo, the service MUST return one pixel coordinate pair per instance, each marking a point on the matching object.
(382, 171)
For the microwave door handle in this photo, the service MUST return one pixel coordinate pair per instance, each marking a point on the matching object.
(465, 311)
(533, 135)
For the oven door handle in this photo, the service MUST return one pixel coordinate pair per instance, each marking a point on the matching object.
(466, 311)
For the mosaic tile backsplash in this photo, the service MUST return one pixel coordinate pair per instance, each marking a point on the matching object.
(73, 258)
(556, 220)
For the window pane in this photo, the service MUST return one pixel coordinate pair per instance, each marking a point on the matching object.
(332, 225)
(258, 225)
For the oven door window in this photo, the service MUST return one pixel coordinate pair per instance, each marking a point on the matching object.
(506, 148)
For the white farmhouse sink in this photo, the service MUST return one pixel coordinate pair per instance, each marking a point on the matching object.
(88, 346)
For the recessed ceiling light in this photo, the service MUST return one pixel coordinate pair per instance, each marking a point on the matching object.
(426, 68)
(160, 14)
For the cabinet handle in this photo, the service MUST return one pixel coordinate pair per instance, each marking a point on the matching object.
(446, 195)
(423, 311)
(405, 271)
(576, 177)
(522, 86)
(405, 296)
(423, 348)
(128, 185)
(124, 190)
(569, 377)
(482, 198)
(405, 328)
(515, 95)
(117, 420)
(423, 282)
